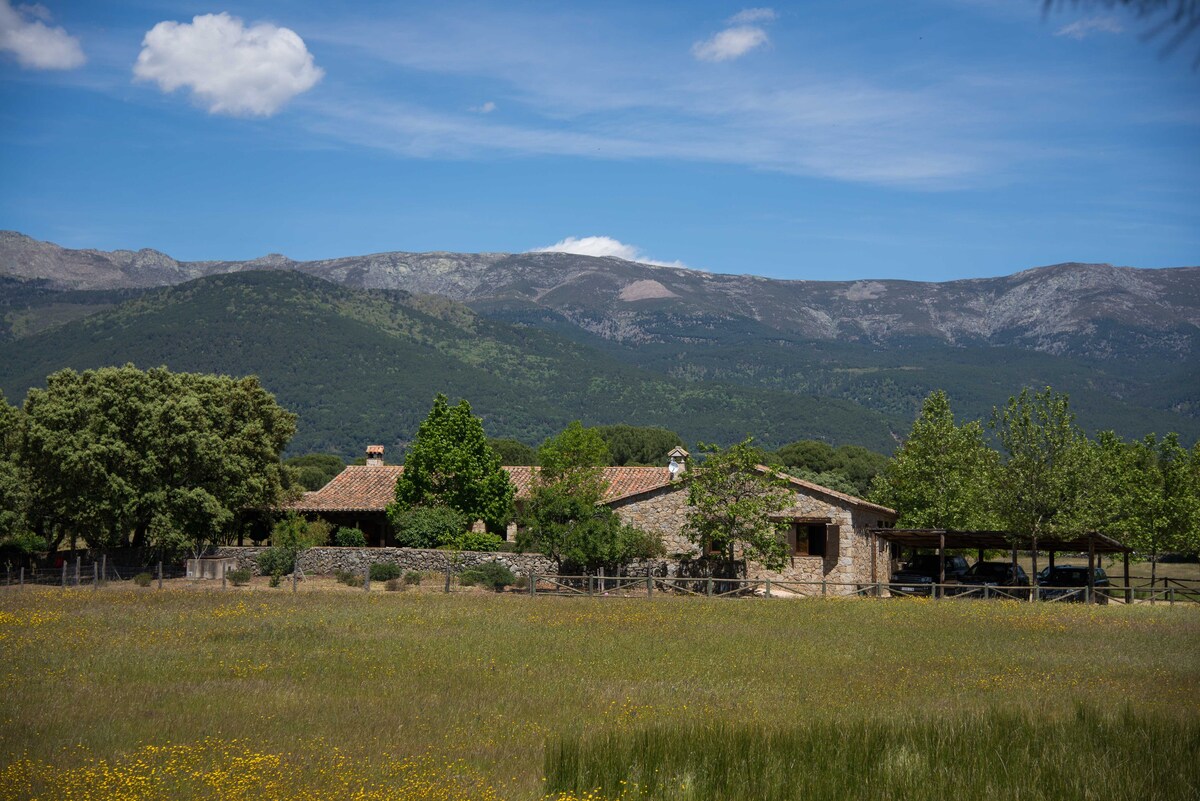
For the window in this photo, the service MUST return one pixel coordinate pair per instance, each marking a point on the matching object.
(808, 539)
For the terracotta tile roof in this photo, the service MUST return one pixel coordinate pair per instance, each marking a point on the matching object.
(853, 500)
(370, 488)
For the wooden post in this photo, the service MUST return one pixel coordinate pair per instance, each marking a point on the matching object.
(649, 585)
(367, 579)
(22, 584)
(1033, 571)
(64, 575)
(603, 583)
(104, 567)
(78, 559)
(978, 554)
(1052, 560)
(942, 558)
(768, 588)
(532, 584)
(224, 586)
(822, 586)
(8, 576)
(1128, 589)
(160, 574)
(589, 585)
(95, 576)
(294, 572)
(447, 587)
(1091, 570)
(710, 583)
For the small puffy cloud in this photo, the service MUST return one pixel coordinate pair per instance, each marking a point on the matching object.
(1081, 29)
(603, 246)
(230, 68)
(751, 15)
(36, 45)
(485, 108)
(735, 41)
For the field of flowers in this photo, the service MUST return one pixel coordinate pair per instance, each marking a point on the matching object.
(147, 694)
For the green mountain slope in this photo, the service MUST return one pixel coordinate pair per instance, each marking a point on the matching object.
(362, 366)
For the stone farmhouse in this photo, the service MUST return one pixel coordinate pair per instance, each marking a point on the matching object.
(828, 531)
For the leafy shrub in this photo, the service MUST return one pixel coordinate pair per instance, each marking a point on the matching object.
(240, 576)
(522, 583)
(394, 585)
(428, 526)
(274, 582)
(412, 577)
(348, 578)
(143, 579)
(474, 541)
(349, 538)
(275, 562)
(384, 571)
(488, 574)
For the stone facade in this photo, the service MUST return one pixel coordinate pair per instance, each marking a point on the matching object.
(847, 560)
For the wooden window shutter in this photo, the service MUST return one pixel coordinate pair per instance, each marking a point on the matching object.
(833, 537)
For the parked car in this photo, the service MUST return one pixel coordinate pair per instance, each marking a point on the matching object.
(1003, 575)
(918, 576)
(1063, 581)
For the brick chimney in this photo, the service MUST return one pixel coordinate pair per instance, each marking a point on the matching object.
(375, 455)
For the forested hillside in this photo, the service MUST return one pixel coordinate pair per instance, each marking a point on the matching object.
(359, 366)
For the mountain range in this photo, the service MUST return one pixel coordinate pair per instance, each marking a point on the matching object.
(712, 356)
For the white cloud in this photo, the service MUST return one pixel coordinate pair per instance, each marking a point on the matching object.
(486, 108)
(748, 15)
(1081, 29)
(730, 43)
(603, 246)
(24, 33)
(230, 68)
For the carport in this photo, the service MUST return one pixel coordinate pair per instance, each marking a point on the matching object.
(941, 539)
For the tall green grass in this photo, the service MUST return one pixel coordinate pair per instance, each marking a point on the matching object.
(988, 755)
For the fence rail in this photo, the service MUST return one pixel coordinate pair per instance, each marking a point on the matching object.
(77, 574)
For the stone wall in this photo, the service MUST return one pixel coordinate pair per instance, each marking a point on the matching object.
(326, 561)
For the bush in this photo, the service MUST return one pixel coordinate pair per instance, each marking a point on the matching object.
(143, 579)
(349, 538)
(239, 577)
(428, 526)
(348, 578)
(275, 562)
(384, 571)
(488, 574)
(412, 577)
(393, 585)
(274, 582)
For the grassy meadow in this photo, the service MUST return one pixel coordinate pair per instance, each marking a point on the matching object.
(129, 693)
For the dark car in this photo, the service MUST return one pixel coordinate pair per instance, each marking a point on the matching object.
(1005, 576)
(1064, 582)
(918, 576)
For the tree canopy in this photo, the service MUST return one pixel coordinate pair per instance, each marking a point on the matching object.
(314, 470)
(450, 463)
(731, 502)
(848, 468)
(513, 451)
(565, 518)
(171, 457)
(638, 445)
(941, 476)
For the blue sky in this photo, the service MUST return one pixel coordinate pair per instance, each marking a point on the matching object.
(927, 140)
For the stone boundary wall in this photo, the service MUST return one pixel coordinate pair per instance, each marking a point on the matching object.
(327, 560)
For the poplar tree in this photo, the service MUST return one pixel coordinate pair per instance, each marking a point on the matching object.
(941, 475)
(450, 463)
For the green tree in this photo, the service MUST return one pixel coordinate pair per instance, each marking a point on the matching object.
(172, 458)
(941, 476)
(1146, 494)
(565, 518)
(314, 470)
(1047, 464)
(451, 464)
(513, 451)
(849, 468)
(732, 501)
(15, 531)
(638, 445)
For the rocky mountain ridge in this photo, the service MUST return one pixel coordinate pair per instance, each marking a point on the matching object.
(1088, 310)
